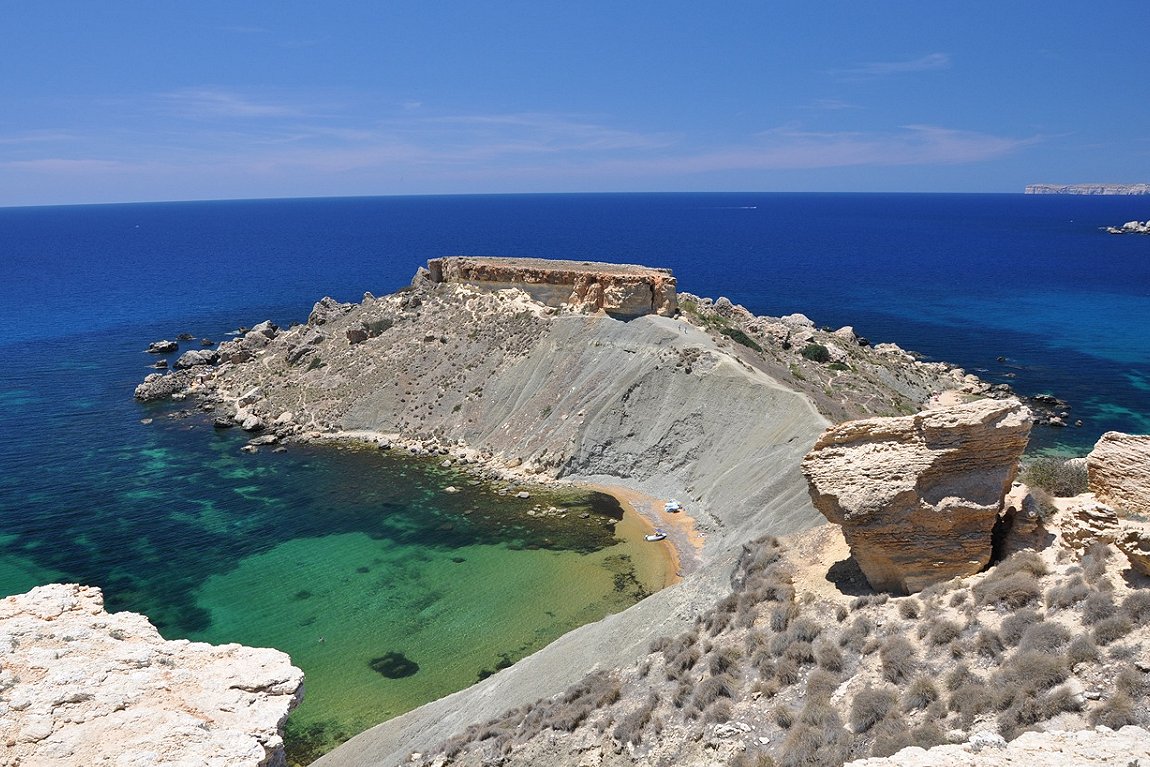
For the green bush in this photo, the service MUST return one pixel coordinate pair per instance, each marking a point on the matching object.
(1056, 476)
(816, 353)
(740, 337)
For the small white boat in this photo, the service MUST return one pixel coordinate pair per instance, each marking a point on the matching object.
(658, 535)
(672, 506)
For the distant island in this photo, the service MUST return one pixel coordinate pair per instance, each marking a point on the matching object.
(1088, 189)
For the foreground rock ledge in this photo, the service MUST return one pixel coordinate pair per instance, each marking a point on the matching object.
(80, 686)
(918, 496)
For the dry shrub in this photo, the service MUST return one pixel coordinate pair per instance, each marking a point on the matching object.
(1027, 710)
(782, 615)
(1115, 713)
(989, 642)
(713, 688)
(752, 757)
(899, 660)
(909, 609)
(1011, 591)
(1032, 670)
(1013, 582)
(593, 692)
(920, 694)
(870, 706)
(784, 717)
(1082, 650)
(817, 738)
(1132, 682)
(805, 630)
(1112, 629)
(969, 701)
(724, 660)
(1094, 561)
(1044, 637)
(1068, 593)
(828, 656)
(786, 672)
(718, 712)
(958, 598)
(821, 684)
(763, 662)
(1098, 606)
(943, 631)
(894, 735)
(1136, 606)
(854, 638)
(960, 675)
(1014, 626)
(800, 652)
(630, 729)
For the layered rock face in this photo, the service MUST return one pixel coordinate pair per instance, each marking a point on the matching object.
(917, 496)
(1119, 471)
(621, 290)
(80, 686)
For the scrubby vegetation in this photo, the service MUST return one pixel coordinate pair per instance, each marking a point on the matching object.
(807, 680)
(1057, 476)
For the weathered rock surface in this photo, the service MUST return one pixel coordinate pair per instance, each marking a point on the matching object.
(584, 286)
(1086, 748)
(162, 347)
(1133, 540)
(157, 386)
(191, 359)
(917, 496)
(1084, 520)
(84, 687)
(1119, 472)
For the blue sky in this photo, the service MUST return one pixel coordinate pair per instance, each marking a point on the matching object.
(158, 100)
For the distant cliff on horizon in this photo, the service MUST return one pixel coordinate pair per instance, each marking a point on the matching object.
(1088, 189)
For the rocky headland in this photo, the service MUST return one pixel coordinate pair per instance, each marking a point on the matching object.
(767, 646)
(1088, 189)
(81, 686)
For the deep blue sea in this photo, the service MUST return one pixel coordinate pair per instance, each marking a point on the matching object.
(171, 520)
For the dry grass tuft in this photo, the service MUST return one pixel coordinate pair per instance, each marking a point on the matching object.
(870, 706)
(899, 660)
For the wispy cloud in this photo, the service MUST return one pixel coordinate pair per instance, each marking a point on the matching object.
(218, 103)
(875, 69)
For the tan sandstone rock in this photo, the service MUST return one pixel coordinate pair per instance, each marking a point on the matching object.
(917, 496)
(583, 286)
(80, 686)
(1119, 472)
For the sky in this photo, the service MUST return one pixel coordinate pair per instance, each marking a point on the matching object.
(144, 100)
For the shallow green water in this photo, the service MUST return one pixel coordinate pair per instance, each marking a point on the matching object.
(336, 555)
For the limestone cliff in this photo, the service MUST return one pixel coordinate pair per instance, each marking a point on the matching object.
(80, 686)
(918, 496)
(1088, 189)
(623, 290)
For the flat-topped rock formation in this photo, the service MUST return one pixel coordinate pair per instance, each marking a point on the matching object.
(1088, 189)
(622, 290)
(80, 686)
(917, 496)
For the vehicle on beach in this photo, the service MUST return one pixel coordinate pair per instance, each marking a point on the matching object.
(672, 506)
(658, 535)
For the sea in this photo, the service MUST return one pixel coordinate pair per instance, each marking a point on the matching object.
(386, 590)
